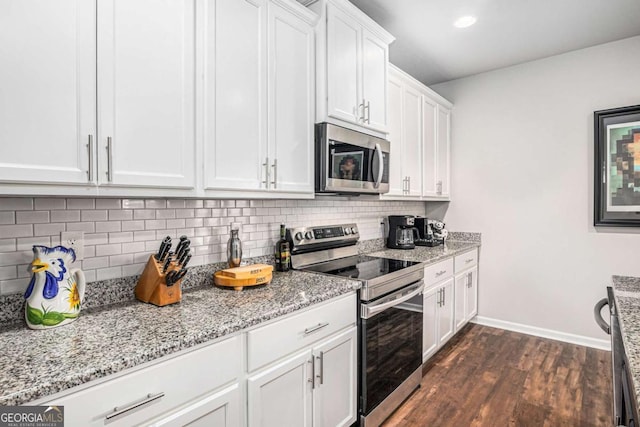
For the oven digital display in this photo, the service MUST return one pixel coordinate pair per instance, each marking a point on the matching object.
(327, 233)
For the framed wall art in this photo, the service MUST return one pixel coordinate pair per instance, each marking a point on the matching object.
(617, 167)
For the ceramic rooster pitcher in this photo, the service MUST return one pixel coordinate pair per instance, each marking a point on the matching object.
(56, 291)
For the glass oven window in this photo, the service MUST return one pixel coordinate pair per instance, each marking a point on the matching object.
(391, 350)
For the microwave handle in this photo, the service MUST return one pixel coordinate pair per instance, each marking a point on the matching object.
(380, 166)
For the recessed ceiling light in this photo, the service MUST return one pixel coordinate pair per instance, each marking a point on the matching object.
(465, 21)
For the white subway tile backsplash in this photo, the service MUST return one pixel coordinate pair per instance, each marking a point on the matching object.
(108, 204)
(46, 204)
(14, 286)
(65, 216)
(16, 203)
(7, 217)
(81, 203)
(49, 229)
(9, 231)
(121, 234)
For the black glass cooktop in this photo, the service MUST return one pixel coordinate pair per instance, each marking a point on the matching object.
(361, 267)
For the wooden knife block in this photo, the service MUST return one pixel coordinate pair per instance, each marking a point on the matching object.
(152, 287)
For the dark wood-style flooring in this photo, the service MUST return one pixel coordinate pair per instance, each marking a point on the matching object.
(492, 377)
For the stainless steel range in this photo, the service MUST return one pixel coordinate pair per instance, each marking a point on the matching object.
(390, 313)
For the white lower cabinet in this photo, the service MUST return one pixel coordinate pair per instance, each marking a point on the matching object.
(438, 325)
(195, 387)
(466, 296)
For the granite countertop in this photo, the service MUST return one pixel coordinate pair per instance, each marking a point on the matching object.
(626, 291)
(104, 341)
(426, 254)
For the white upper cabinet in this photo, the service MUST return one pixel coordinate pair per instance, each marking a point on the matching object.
(146, 93)
(235, 112)
(396, 178)
(352, 56)
(429, 153)
(443, 148)
(47, 94)
(411, 142)
(259, 98)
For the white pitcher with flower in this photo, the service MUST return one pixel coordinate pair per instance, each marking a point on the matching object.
(56, 291)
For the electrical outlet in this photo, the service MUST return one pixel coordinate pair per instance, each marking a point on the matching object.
(75, 241)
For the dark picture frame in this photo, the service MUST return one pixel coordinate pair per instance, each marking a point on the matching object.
(617, 167)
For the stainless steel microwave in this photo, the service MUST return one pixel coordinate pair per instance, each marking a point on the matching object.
(350, 162)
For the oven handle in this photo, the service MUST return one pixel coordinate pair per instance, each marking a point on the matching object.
(367, 311)
(380, 166)
(598, 315)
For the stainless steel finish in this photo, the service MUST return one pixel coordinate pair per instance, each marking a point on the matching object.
(304, 260)
(119, 411)
(316, 328)
(321, 374)
(337, 133)
(408, 185)
(305, 241)
(368, 109)
(109, 159)
(361, 116)
(312, 379)
(383, 285)
(444, 297)
(275, 173)
(440, 273)
(265, 165)
(90, 166)
(598, 315)
(367, 311)
(380, 166)
(391, 403)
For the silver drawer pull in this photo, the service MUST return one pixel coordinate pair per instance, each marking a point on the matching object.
(468, 260)
(315, 328)
(119, 411)
(440, 273)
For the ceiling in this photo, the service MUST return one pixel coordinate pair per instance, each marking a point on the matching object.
(507, 32)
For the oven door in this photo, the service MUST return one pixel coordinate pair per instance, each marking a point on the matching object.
(350, 162)
(391, 350)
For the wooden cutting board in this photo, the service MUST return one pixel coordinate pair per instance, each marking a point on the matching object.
(239, 284)
(247, 271)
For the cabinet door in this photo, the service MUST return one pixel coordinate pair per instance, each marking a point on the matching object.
(146, 93)
(460, 299)
(429, 156)
(47, 94)
(221, 409)
(343, 62)
(472, 294)
(396, 177)
(375, 56)
(443, 150)
(445, 322)
(412, 131)
(291, 101)
(235, 146)
(334, 396)
(281, 395)
(430, 323)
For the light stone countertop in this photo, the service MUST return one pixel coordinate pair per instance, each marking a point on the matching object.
(626, 291)
(38, 363)
(428, 255)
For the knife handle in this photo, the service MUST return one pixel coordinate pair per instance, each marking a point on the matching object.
(184, 255)
(167, 262)
(186, 261)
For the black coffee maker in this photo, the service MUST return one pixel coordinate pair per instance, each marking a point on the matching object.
(430, 232)
(401, 232)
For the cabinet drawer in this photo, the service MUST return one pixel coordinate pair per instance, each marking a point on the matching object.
(437, 272)
(283, 337)
(180, 379)
(466, 260)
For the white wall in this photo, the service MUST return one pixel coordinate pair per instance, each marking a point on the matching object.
(522, 175)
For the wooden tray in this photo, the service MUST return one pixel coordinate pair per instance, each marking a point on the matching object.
(239, 284)
(247, 271)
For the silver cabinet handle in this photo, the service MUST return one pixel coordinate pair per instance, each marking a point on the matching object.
(468, 260)
(315, 328)
(368, 109)
(119, 411)
(311, 379)
(109, 159)
(469, 280)
(321, 374)
(90, 150)
(439, 188)
(440, 273)
(266, 172)
(361, 116)
(275, 173)
(408, 185)
(440, 297)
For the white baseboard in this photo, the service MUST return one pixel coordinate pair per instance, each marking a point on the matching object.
(544, 333)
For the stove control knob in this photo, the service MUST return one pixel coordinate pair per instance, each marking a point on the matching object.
(299, 236)
(308, 235)
(354, 230)
(347, 231)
